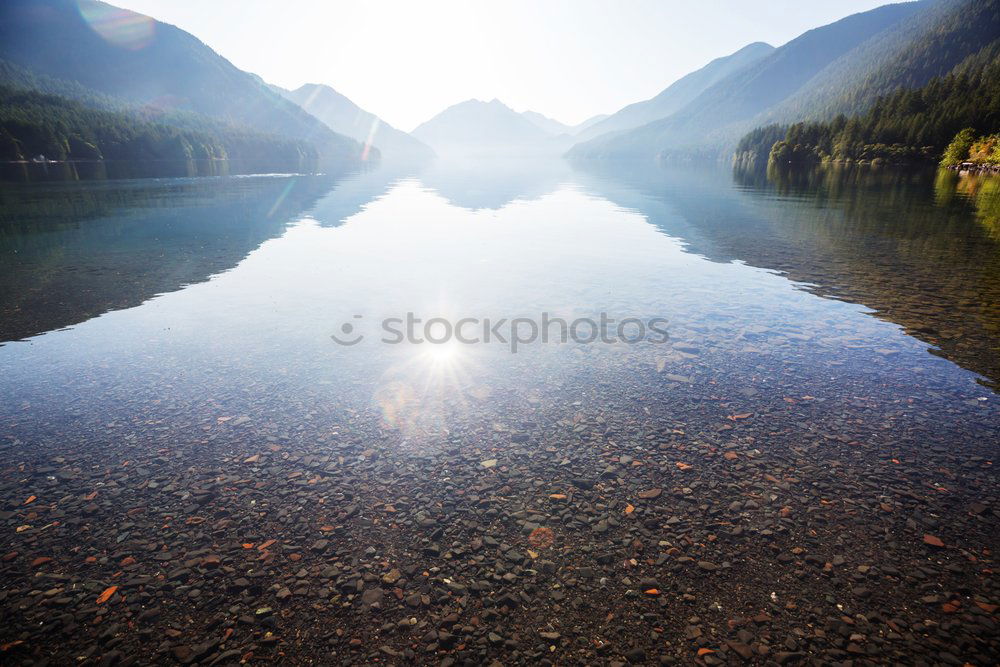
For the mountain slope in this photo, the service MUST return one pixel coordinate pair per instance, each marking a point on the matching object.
(590, 122)
(910, 125)
(345, 117)
(135, 58)
(550, 125)
(554, 127)
(474, 127)
(679, 93)
(719, 115)
(62, 120)
(930, 43)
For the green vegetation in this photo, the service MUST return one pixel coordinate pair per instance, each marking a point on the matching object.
(34, 123)
(909, 126)
(62, 120)
(967, 147)
(170, 98)
(933, 42)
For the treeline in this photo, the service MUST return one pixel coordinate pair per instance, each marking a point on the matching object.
(35, 123)
(908, 126)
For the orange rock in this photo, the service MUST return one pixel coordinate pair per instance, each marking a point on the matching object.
(30, 500)
(933, 541)
(683, 466)
(252, 459)
(730, 456)
(41, 560)
(987, 607)
(629, 508)
(106, 595)
(294, 557)
(704, 651)
(128, 560)
(649, 494)
(265, 545)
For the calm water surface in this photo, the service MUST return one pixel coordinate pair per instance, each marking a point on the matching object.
(849, 305)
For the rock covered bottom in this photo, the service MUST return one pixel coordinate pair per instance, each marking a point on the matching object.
(651, 522)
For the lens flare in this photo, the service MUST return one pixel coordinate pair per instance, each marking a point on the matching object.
(423, 394)
(370, 139)
(119, 27)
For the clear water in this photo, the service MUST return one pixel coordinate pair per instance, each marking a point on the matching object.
(170, 311)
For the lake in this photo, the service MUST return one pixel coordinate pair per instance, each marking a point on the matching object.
(428, 368)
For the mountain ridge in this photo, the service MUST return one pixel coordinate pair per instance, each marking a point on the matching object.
(475, 127)
(342, 115)
(679, 93)
(162, 67)
(719, 115)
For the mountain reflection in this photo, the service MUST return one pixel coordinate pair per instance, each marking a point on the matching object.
(917, 247)
(475, 184)
(74, 250)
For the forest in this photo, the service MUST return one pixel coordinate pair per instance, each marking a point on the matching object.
(916, 125)
(36, 124)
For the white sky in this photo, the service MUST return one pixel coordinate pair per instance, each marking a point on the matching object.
(406, 60)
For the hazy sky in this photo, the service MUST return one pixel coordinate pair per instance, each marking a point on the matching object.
(406, 60)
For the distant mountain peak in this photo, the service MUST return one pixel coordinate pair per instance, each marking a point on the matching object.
(478, 127)
(342, 115)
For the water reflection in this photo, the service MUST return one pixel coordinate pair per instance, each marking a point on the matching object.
(74, 250)
(492, 183)
(103, 170)
(192, 300)
(917, 247)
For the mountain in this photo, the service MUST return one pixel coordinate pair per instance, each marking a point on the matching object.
(61, 120)
(909, 126)
(554, 127)
(679, 93)
(550, 125)
(928, 44)
(137, 59)
(345, 117)
(715, 119)
(475, 127)
(593, 120)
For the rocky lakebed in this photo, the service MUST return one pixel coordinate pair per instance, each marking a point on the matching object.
(641, 521)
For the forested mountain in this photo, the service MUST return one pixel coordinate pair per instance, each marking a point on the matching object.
(718, 116)
(61, 120)
(910, 125)
(344, 116)
(679, 93)
(475, 127)
(141, 61)
(928, 44)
